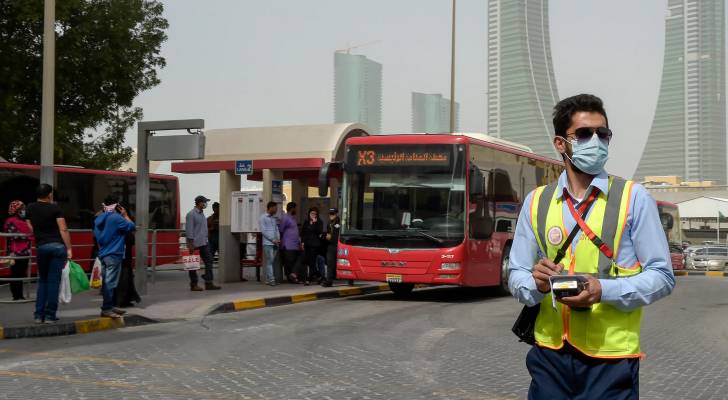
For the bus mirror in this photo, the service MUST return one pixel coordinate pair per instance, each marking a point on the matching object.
(477, 182)
(324, 176)
(667, 221)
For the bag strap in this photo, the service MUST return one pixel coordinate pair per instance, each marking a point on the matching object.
(609, 225)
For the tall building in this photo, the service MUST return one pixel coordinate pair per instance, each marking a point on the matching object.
(521, 86)
(358, 90)
(688, 135)
(431, 113)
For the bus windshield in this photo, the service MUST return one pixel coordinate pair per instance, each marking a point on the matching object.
(404, 196)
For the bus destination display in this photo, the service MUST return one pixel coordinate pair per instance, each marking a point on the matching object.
(377, 157)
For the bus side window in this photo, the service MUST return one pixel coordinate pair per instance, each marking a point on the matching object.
(481, 221)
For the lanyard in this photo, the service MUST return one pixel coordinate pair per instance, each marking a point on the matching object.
(584, 227)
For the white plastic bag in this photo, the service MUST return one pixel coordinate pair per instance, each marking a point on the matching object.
(96, 278)
(192, 263)
(64, 291)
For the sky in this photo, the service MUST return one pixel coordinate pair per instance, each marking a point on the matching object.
(240, 63)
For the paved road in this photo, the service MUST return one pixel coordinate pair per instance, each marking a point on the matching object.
(441, 344)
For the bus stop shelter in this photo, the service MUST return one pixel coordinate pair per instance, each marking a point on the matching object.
(289, 153)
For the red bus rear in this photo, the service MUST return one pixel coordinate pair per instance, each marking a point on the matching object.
(79, 192)
(670, 218)
(433, 209)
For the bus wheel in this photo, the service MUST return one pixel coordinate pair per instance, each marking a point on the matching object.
(505, 261)
(401, 289)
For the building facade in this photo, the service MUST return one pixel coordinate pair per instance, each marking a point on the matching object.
(431, 113)
(688, 135)
(357, 90)
(521, 85)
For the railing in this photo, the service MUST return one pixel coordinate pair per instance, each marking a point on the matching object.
(151, 259)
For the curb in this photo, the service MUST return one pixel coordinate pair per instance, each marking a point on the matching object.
(72, 327)
(709, 274)
(251, 304)
(102, 324)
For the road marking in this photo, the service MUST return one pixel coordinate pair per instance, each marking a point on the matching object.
(98, 324)
(248, 304)
(300, 298)
(680, 273)
(123, 385)
(2, 335)
(258, 328)
(714, 274)
(349, 291)
(104, 360)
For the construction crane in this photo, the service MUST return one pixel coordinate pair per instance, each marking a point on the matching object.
(347, 50)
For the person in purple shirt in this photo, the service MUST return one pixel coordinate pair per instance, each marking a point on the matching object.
(290, 242)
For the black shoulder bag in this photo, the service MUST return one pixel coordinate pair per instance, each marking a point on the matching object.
(526, 321)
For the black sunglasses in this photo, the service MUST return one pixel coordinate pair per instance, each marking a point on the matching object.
(586, 133)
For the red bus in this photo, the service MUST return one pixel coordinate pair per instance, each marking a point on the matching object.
(79, 192)
(433, 209)
(670, 218)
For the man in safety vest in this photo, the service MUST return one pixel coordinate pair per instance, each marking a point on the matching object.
(588, 345)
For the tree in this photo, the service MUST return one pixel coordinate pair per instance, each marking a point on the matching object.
(107, 52)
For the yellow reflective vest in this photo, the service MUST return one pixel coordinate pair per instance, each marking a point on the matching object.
(602, 331)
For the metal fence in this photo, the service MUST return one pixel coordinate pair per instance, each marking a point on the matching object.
(151, 269)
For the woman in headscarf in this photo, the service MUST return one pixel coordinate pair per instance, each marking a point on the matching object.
(18, 246)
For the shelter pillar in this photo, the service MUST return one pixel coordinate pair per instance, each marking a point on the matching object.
(299, 190)
(229, 248)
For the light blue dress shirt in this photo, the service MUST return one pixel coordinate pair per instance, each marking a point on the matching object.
(268, 225)
(643, 240)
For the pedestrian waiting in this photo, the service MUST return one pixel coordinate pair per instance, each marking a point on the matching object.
(53, 243)
(312, 233)
(197, 241)
(18, 246)
(126, 294)
(213, 229)
(111, 228)
(268, 224)
(290, 243)
(332, 240)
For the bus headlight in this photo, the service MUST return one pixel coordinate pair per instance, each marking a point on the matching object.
(342, 262)
(450, 266)
(342, 252)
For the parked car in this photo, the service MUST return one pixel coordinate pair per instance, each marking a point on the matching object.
(709, 258)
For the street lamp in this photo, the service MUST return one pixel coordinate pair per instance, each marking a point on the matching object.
(49, 82)
(452, 73)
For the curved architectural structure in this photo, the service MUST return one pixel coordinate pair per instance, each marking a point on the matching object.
(521, 85)
(688, 135)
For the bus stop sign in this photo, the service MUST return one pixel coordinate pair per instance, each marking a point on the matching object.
(244, 167)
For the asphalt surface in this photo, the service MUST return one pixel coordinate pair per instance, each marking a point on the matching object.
(442, 343)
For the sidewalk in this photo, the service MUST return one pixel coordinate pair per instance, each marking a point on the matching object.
(168, 299)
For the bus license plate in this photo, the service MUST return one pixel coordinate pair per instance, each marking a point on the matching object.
(394, 278)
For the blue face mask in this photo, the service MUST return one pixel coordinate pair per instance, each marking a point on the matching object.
(589, 156)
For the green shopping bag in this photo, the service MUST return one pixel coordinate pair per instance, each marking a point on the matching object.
(79, 280)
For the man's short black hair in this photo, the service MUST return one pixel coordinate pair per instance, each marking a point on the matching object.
(215, 205)
(271, 204)
(566, 108)
(111, 199)
(290, 206)
(44, 190)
